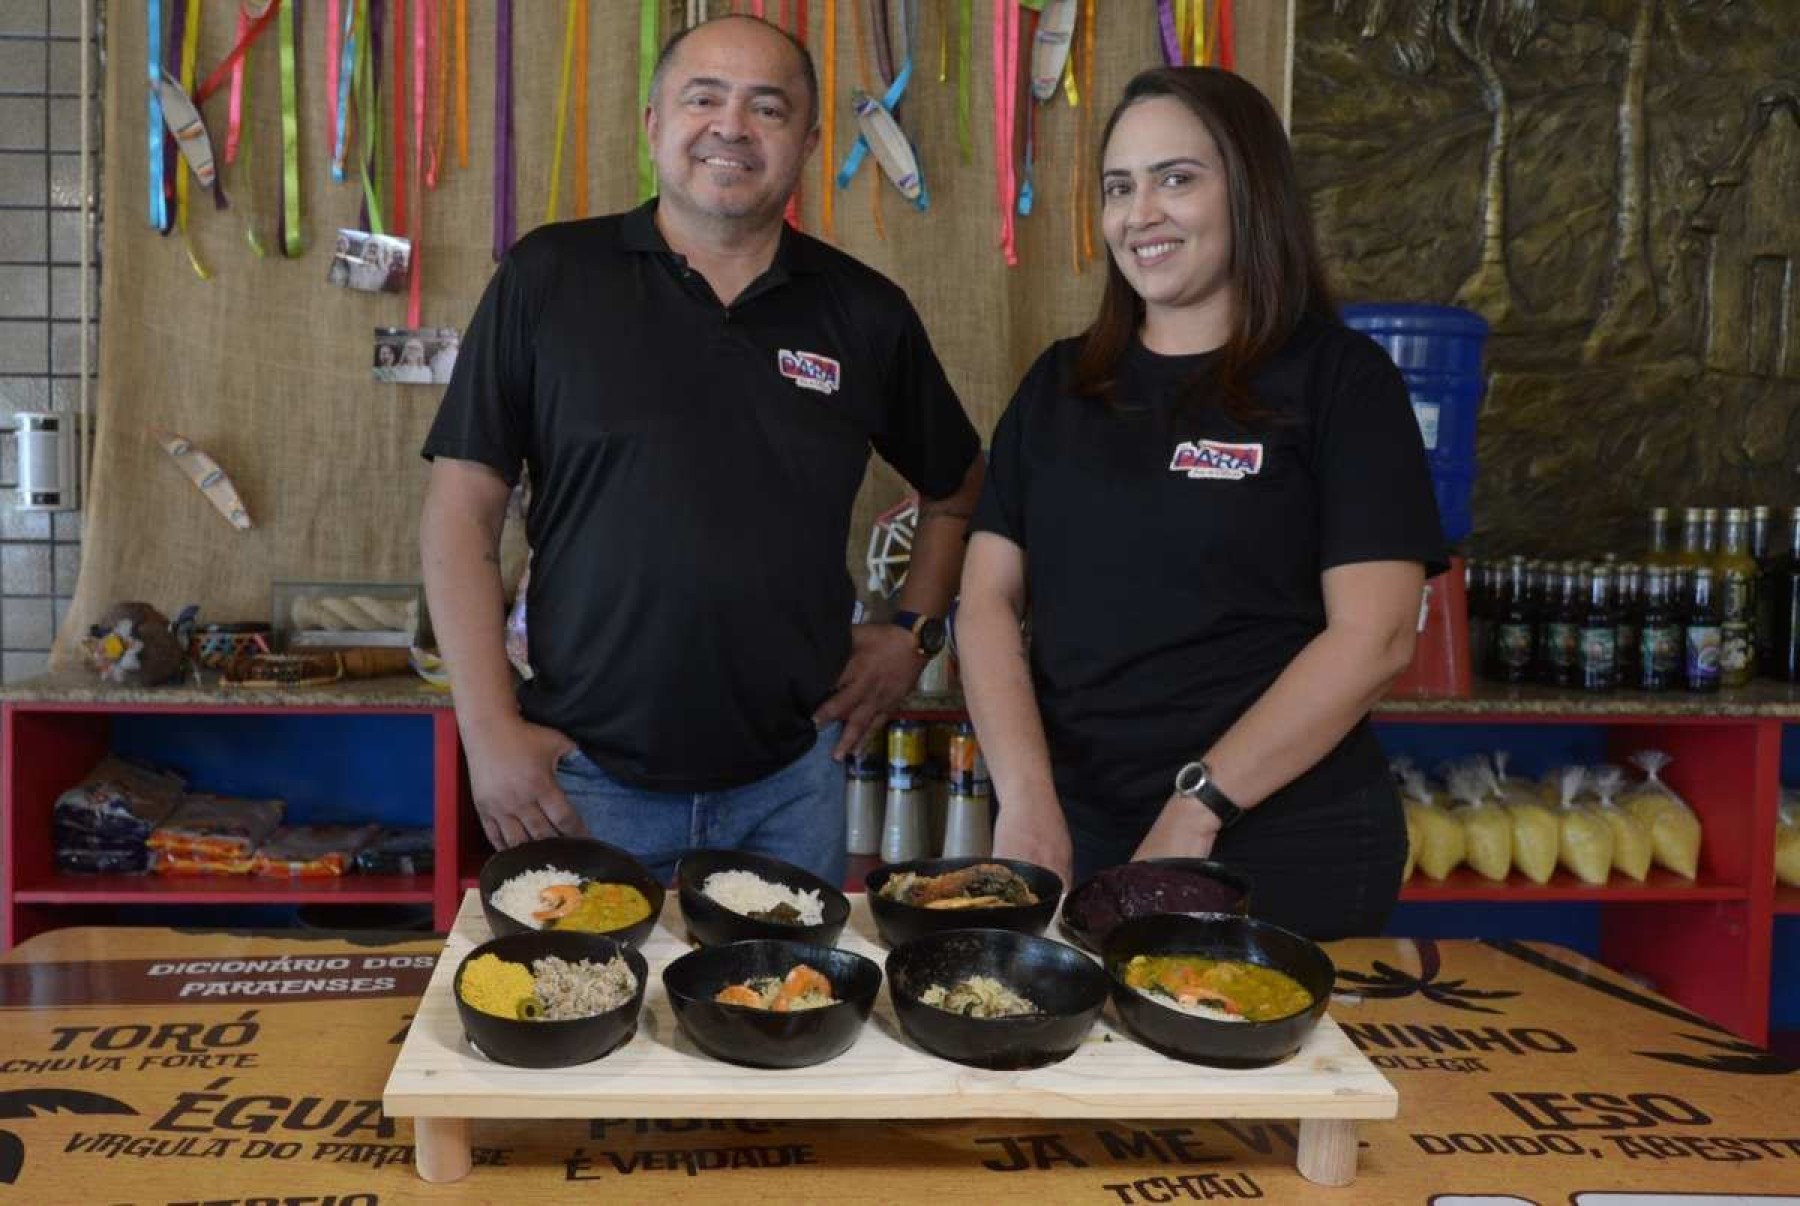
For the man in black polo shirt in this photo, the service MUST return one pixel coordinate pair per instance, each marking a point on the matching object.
(694, 388)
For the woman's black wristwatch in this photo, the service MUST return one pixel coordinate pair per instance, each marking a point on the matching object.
(1195, 782)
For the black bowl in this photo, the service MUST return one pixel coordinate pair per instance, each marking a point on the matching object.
(1147, 887)
(585, 857)
(762, 1038)
(712, 924)
(1067, 985)
(899, 922)
(552, 1044)
(1203, 1040)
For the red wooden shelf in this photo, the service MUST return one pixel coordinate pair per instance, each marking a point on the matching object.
(1658, 886)
(223, 889)
(1787, 900)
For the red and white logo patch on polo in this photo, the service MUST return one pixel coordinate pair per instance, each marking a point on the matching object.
(1213, 459)
(809, 370)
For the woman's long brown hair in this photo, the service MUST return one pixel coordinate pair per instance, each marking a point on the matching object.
(1274, 272)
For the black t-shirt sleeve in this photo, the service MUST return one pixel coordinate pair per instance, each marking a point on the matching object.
(925, 434)
(485, 414)
(1375, 496)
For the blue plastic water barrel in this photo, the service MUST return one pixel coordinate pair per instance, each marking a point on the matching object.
(1438, 351)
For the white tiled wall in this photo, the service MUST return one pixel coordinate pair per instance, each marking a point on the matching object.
(40, 225)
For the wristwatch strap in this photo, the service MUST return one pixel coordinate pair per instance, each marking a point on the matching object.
(1196, 782)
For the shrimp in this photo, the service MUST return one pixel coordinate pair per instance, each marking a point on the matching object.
(559, 900)
(738, 994)
(800, 982)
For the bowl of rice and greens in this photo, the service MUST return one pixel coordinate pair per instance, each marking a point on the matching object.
(551, 998)
(736, 896)
(574, 885)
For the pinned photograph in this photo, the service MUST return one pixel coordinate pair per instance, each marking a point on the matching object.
(369, 263)
(415, 355)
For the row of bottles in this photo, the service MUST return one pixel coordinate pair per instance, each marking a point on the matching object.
(1715, 612)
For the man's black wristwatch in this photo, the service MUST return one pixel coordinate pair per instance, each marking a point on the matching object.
(928, 632)
(1195, 782)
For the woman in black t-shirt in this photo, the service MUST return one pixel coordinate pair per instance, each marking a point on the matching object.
(1217, 506)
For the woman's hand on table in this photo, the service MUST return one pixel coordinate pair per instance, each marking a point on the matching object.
(1185, 828)
(1036, 833)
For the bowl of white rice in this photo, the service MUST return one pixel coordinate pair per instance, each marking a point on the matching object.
(733, 895)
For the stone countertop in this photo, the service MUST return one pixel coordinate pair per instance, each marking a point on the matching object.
(1762, 700)
(77, 689)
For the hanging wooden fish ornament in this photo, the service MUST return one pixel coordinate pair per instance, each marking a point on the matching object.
(183, 120)
(1050, 48)
(205, 473)
(892, 150)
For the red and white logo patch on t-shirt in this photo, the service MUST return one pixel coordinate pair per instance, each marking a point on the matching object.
(1216, 459)
(809, 370)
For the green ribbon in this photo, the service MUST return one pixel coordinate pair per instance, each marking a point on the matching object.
(368, 116)
(648, 46)
(293, 240)
(964, 36)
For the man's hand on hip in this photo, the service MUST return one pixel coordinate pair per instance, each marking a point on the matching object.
(512, 774)
(884, 665)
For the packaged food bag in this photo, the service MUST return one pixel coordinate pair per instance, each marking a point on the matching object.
(1486, 827)
(224, 829)
(1586, 848)
(1674, 829)
(1413, 838)
(398, 852)
(1787, 840)
(1631, 837)
(1442, 843)
(1536, 828)
(310, 851)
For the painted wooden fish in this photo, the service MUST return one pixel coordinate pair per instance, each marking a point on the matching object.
(892, 150)
(1050, 48)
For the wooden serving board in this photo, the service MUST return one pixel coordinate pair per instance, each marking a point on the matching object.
(441, 1082)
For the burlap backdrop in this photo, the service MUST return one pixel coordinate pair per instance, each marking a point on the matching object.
(266, 366)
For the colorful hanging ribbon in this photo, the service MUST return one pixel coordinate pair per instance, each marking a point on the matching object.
(399, 91)
(334, 33)
(503, 149)
(647, 52)
(415, 262)
(355, 23)
(368, 110)
(159, 209)
(1027, 34)
(562, 108)
(828, 125)
(190, 53)
(1006, 94)
(581, 110)
(289, 232)
(440, 79)
(462, 83)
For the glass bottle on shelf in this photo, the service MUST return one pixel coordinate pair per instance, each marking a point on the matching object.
(1562, 631)
(1660, 637)
(1598, 637)
(1782, 584)
(1737, 601)
(1662, 546)
(1701, 633)
(1628, 627)
(1511, 659)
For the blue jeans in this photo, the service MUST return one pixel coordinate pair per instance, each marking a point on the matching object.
(796, 814)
